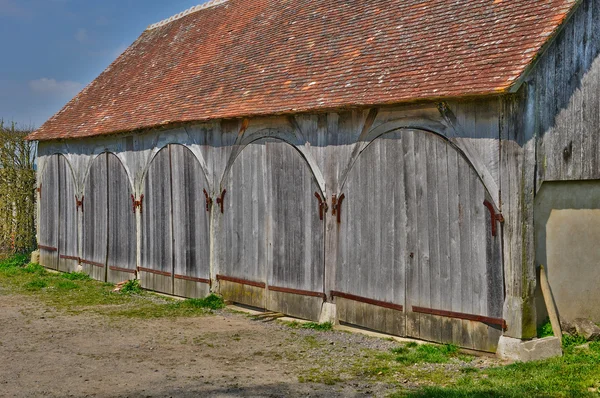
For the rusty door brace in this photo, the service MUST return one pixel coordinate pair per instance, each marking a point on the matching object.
(322, 205)
(209, 201)
(221, 201)
(39, 190)
(460, 315)
(79, 203)
(336, 206)
(495, 217)
(138, 203)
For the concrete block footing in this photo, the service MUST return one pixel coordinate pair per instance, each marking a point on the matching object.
(328, 313)
(529, 350)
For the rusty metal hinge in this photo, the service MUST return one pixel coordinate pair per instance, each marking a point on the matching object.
(79, 203)
(495, 217)
(336, 206)
(221, 200)
(322, 205)
(209, 201)
(138, 203)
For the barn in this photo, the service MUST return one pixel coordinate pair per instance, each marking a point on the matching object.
(399, 165)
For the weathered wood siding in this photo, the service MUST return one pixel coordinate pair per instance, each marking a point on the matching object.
(48, 222)
(272, 231)
(121, 259)
(190, 225)
(156, 271)
(269, 248)
(95, 220)
(410, 237)
(566, 86)
(68, 232)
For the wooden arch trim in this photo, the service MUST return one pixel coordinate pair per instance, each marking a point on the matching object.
(291, 138)
(427, 126)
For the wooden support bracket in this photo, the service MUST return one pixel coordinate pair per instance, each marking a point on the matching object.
(221, 201)
(79, 203)
(496, 217)
(209, 201)
(336, 206)
(138, 203)
(322, 205)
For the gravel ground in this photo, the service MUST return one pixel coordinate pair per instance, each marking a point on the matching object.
(55, 354)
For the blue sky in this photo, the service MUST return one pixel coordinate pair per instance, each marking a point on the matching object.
(51, 49)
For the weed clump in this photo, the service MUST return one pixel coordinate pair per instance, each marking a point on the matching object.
(545, 329)
(16, 261)
(131, 287)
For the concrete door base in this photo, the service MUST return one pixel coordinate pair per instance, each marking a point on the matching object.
(328, 313)
(529, 350)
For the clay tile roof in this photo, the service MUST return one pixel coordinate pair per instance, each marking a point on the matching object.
(239, 58)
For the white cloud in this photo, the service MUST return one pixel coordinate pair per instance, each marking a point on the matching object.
(81, 35)
(54, 87)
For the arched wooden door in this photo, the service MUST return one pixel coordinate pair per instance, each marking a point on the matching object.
(68, 232)
(48, 214)
(109, 230)
(175, 225)
(272, 235)
(417, 255)
(95, 219)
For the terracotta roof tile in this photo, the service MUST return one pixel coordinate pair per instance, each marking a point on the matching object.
(258, 57)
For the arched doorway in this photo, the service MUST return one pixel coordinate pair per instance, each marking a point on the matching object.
(417, 255)
(175, 225)
(271, 235)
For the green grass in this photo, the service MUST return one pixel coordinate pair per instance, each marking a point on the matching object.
(545, 329)
(426, 353)
(76, 292)
(577, 374)
(322, 327)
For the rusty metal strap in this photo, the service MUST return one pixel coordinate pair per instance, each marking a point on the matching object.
(241, 281)
(495, 217)
(298, 292)
(192, 279)
(153, 271)
(119, 269)
(459, 315)
(95, 264)
(48, 248)
(69, 258)
(365, 300)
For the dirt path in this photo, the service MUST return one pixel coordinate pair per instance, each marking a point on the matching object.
(45, 353)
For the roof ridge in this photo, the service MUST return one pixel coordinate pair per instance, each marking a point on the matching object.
(182, 14)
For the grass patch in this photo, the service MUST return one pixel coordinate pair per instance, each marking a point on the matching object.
(212, 302)
(576, 374)
(426, 353)
(322, 327)
(36, 284)
(76, 276)
(66, 285)
(76, 292)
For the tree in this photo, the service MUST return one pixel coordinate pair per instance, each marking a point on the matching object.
(17, 190)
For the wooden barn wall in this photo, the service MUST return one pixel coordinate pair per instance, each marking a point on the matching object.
(328, 146)
(566, 86)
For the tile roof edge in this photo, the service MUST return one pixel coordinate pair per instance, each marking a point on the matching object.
(522, 78)
(204, 6)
